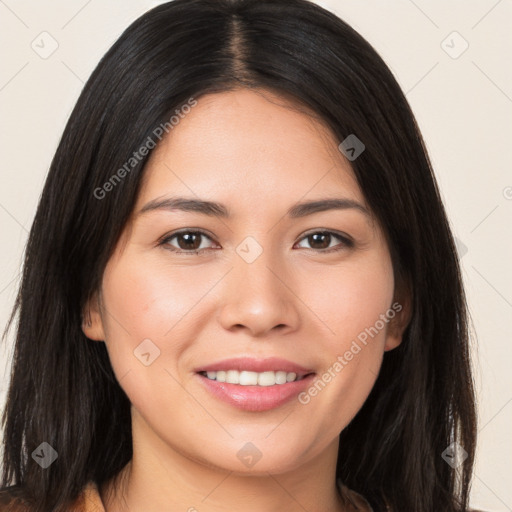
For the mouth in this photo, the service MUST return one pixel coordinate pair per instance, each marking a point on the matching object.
(255, 385)
(247, 378)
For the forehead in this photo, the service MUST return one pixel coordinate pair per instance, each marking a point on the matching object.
(249, 146)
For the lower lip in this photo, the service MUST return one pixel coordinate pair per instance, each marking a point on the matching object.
(256, 398)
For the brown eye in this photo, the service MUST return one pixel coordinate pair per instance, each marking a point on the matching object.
(186, 241)
(322, 241)
(319, 240)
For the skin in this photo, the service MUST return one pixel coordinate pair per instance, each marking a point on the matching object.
(257, 154)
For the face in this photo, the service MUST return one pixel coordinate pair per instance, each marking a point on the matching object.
(295, 304)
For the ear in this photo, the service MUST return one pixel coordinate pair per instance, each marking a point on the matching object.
(402, 308)
(92, 322)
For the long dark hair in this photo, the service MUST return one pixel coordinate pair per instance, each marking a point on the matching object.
(63, 390)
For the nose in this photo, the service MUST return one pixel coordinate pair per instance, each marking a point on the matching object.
(259, 297)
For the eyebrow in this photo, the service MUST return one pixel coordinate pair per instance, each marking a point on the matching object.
(214, 209)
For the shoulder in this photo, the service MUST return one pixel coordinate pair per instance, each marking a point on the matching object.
(353, 501)
(14, 499)
(356, 502)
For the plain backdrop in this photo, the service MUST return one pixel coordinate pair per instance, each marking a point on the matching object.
(451, 58)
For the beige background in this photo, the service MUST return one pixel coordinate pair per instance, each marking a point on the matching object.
(463, 103)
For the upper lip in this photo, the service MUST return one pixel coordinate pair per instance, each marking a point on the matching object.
(256, 365)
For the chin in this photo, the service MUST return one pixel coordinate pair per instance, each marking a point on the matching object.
(260, 459)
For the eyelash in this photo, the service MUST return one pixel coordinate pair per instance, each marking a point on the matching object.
(346, 242)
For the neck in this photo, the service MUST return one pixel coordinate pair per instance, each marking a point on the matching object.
(160, 477)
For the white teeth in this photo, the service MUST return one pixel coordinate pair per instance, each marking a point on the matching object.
(232, 377)
(280, 377)
(245, 378)
(248, 379)
(266, 379)
(290, 377)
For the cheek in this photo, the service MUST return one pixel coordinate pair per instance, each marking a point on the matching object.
(351, 299)
(351, 304)
(148, 301)
(144, 309)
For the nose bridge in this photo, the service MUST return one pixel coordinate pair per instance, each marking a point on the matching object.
(257, 295)
(257, 270)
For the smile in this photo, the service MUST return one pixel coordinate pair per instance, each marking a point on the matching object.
(255, 385)
(247, 378)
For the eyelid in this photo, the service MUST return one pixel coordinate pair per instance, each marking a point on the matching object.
(346, 240)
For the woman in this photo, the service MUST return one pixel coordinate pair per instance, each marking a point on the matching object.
(240, 287)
